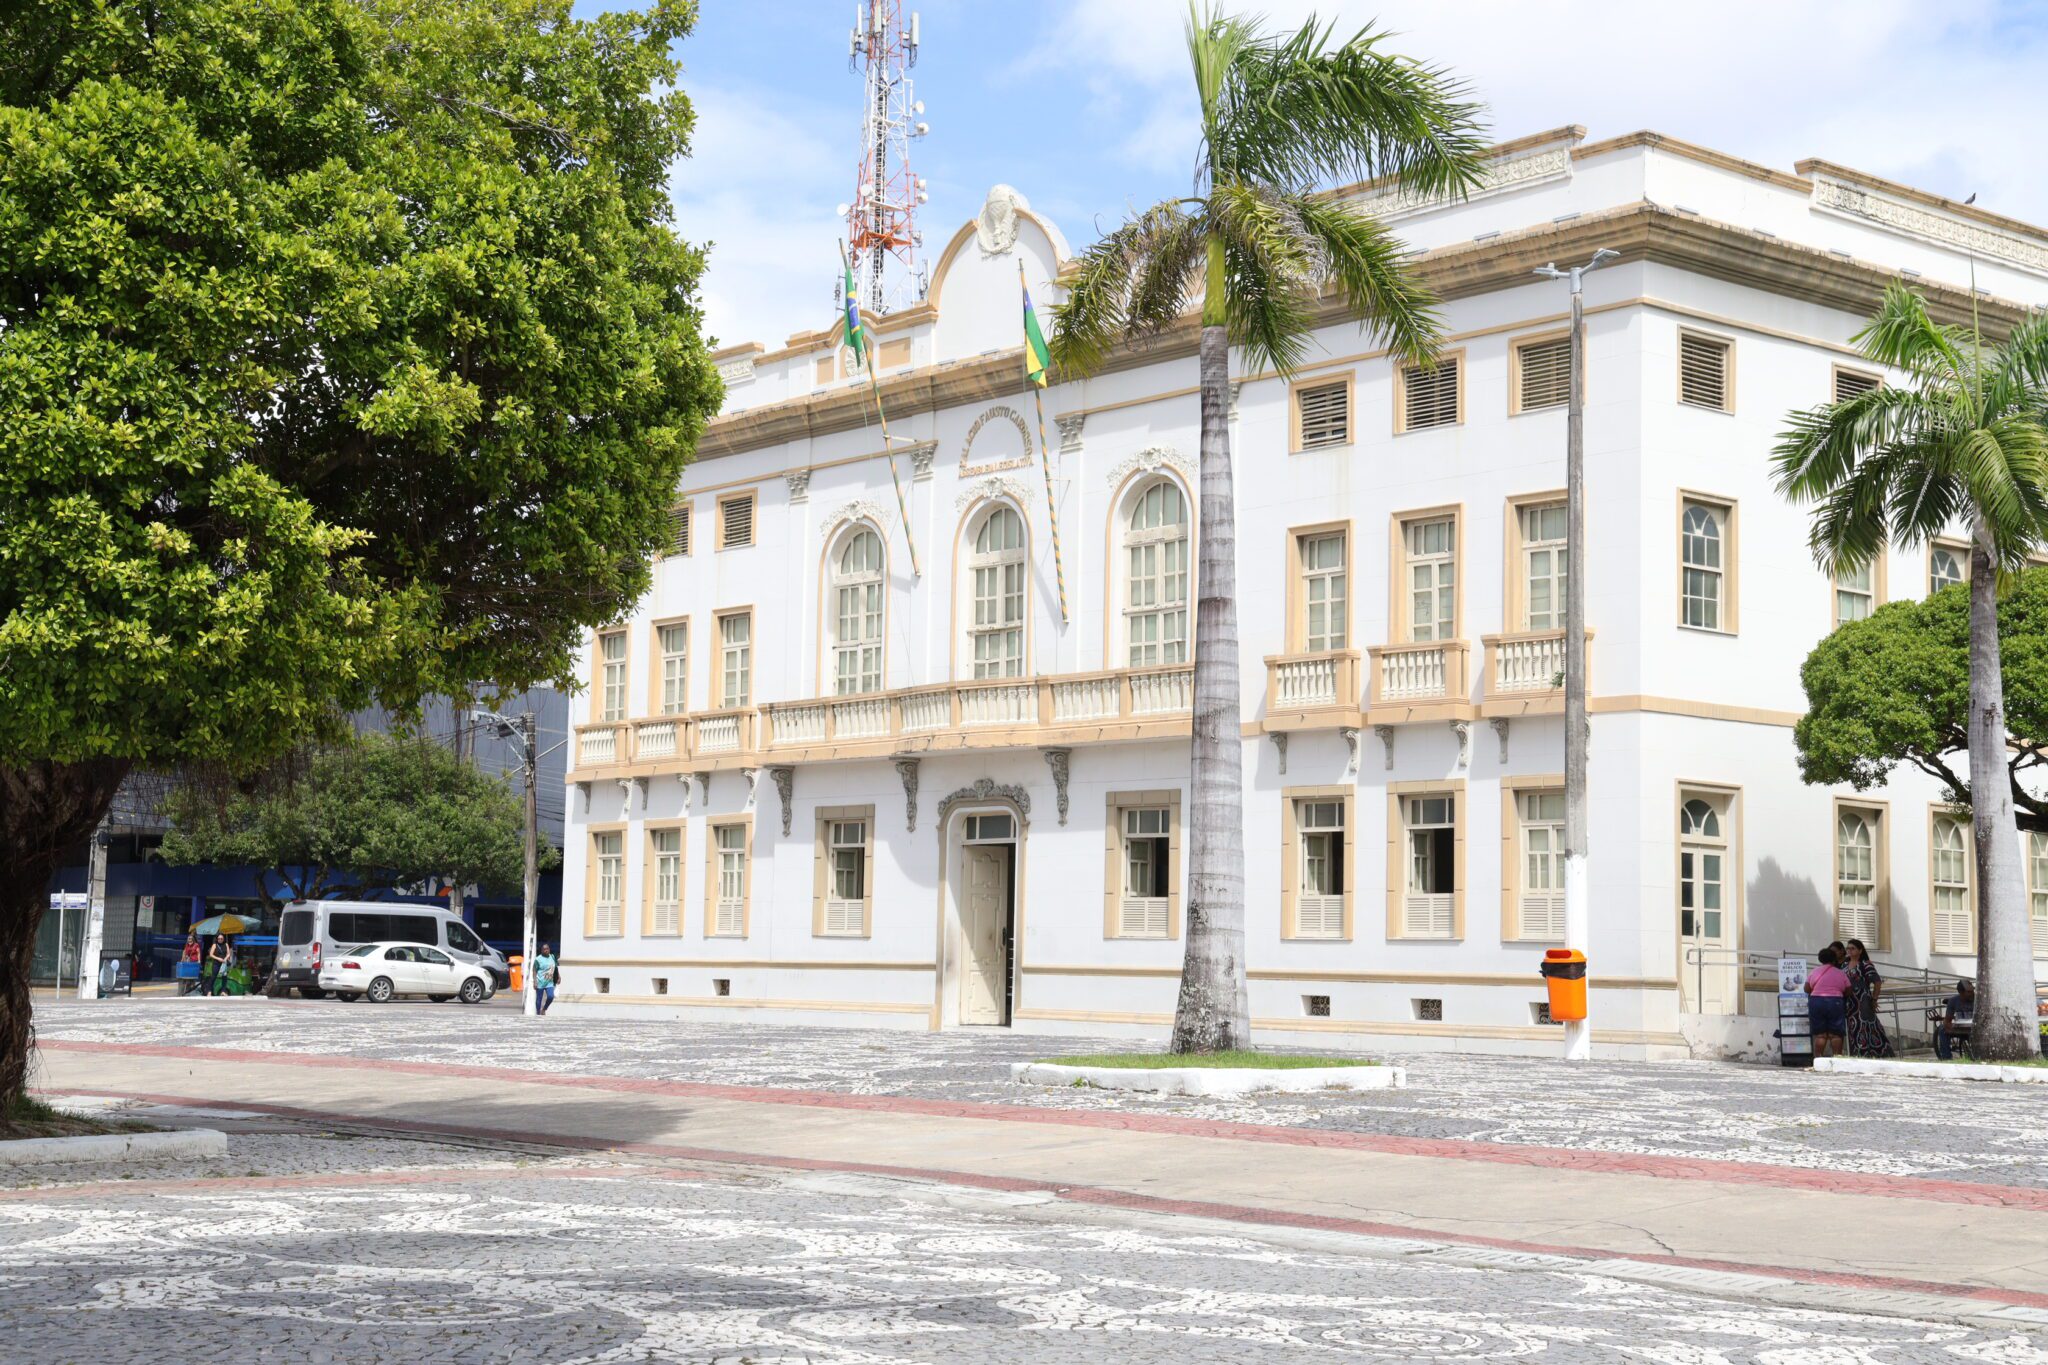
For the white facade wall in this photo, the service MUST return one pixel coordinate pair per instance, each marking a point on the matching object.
(1675, 708)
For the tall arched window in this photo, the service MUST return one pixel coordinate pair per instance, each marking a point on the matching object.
(1701, 595)
(996, 583)
(857, 614)
(1156, 577)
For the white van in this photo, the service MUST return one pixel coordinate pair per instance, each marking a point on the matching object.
(313, 932)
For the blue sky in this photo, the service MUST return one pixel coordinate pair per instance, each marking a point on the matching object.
(1085, 107)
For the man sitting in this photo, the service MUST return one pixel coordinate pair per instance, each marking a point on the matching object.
(1957, 1014)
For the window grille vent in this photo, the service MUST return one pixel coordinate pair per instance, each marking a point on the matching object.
(738, 514)
(1316, 1006)
(661, 985)
(1853, 384)
(1539, 1012)
(604, 985)
(1546, 371)
(1325, 415)
(1703, 371)
(721, 985)
(679, 529)
(1430, 397)
(1429, 1011)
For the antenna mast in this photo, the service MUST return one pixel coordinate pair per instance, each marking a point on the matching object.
(881, 221)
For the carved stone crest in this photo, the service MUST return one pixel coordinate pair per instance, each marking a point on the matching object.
(988, 489)
(995, 227)
(997, 455)
(1150, 458)
(985, 789)
(860, 509)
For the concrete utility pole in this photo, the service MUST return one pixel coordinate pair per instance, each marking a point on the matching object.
(95, 920)
(466, 718)
(1578, 1033)
(530, 737)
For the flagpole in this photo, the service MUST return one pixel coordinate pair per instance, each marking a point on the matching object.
(888, 449)
(1052, 510)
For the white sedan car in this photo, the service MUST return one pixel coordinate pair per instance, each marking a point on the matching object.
(378, 971)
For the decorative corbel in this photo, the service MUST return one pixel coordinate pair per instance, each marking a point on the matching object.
(753, 776)
(785, 783)
(1500, 727)
(1070, 425)
(1230, 408)
(1350, 733)
(1386, 734)
(799, 481)
(1057, 760)
(1279, 738)
(906, 768)
(703, 788)
(583, 789)
(1463, 730)
(922, 456)
(633, 786)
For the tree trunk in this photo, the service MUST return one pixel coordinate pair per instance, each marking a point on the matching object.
(1212, 1014)
(2006, 1026)
(45, 809)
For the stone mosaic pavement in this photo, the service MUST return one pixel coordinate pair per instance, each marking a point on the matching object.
(1877, 1125)
(436, 1252)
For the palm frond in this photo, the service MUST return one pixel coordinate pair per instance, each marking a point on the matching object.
(1905, 337)
(1369, 268)
(1821, 446)
(1125, 286)
(1214, 41)
(2003, 465)
(1273, 269)
(1300, 108)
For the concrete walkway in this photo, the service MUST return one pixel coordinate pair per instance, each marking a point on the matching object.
(1984, 1243)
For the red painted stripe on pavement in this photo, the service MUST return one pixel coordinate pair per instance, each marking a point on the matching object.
(1100, 1196)
(2028, 1198)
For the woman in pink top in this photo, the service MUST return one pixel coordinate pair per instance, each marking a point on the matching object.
(1826, 1012)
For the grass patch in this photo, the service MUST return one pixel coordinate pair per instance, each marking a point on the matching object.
(1233, 1061)
(27, 1117)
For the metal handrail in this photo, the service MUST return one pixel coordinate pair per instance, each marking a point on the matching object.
(1907, 995)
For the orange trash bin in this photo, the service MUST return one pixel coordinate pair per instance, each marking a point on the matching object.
(517, 962)
(1564, 972)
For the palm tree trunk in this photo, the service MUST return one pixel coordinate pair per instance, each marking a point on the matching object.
(1212, 1014)
(2005, 1015)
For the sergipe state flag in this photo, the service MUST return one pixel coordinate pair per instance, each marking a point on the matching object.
(1037, 360)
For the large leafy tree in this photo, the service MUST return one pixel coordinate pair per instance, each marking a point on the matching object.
(346, 352)
(1960, 441)
(1894, 690)
(354, 817)
(1258, 246)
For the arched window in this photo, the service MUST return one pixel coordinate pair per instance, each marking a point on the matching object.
(1699, 818)
(857, 614)
(1856, 875)
(1701, 595)
(995, 570)
(1944, 569)
(1156, 577)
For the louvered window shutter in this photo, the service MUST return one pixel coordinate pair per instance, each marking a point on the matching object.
(1325, 415)
(1853, 384)
(1430, 397)
(1546, 373)
(679, 529)
(1703, 372)
(739, 521)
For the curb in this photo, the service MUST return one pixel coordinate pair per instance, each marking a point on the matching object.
(182, 1144)
(1936, 1071)
(1212, 1080)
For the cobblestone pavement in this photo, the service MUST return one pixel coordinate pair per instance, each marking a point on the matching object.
(1881, 1125)
(458, 1253)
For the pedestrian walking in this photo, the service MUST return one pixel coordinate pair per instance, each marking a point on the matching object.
(1866, 1033)
(543, 979)
(218, 959)
(1826, 1013)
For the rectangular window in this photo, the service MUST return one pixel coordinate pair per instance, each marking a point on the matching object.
(729, 913)
(612, 700)
(1322, 415)
(1949, 864)
(679, 529)
(1858, 850)
(1703, 539)
(1703, 380)
(1324, 598)
(1143, 911)
(736, 520)
(999, 620)
(665, 915)
(1543, 528)
(674, 643)
(846, 876)
(1854, 384)
(1319, 902)
(1855, 593)
(1543, 374)
(2037, 889)
(1431, 574)
(1429, 891)
(1430, 396)
(736, 659)
(608, 910)
(1541, 910)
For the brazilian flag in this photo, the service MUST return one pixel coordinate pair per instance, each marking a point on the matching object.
(1037, 360)
(854, 336)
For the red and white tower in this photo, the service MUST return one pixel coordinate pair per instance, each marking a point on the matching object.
(881, 222)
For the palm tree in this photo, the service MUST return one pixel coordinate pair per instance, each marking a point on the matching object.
(1965, 438)
(1258, 246)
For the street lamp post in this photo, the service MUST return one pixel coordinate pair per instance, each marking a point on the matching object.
(529, 745)
(1578, 1033)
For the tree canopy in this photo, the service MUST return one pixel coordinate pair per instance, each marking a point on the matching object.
(1895, 689)
(381, 812)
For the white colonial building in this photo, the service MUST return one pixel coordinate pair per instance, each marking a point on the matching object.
(824, 776)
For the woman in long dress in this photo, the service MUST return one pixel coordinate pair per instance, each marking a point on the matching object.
(1866, 1034)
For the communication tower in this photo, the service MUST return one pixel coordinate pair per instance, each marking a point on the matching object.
(881, 222)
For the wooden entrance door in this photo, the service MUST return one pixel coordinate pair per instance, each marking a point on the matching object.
(985, 912)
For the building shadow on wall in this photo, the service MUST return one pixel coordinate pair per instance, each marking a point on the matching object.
(1785, 912)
